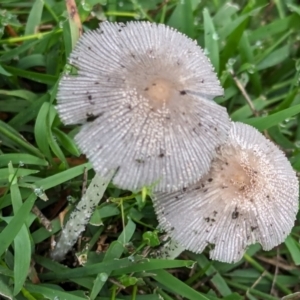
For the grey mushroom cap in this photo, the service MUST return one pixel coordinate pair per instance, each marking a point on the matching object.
(143, 92)
(249, 195)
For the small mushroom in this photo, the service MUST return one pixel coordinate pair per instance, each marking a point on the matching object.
(143, 92)
(249, 195)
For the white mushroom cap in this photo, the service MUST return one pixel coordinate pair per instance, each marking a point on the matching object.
(143, 91)
(249, 195)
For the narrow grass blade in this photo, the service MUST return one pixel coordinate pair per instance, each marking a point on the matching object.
(11, 230)
(34, 18)
(211, 40)
(114, 251)
(177, 285)
(22, 158)
(262, 123)
(16, 138)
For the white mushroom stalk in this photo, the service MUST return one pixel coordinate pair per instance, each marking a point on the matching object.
(144, 93)
(80, 216)
(249, 195)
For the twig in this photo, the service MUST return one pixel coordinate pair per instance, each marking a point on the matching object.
(45, 222)
(280, 265)
(256, 282)
(248, 99)
(117, 283)
(275, 273)
(244, 93)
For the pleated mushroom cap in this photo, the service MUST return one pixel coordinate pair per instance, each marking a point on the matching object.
(250, 195)
(143, 92)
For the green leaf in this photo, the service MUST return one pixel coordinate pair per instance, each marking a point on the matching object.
(151, 238)
(4, 72)
(51, 293)
(262, 123)
(41, 130)
(181, 13)
(22, 243)
(114, 251)
(34, 18)
(64, 176)
(5, 290)
(22, 159)
(11, 230)
(294, 249)
(217, 280)
(38, 77)
(275, 58)
(24, 94)
(19, 173)
(176, 285)
(211, 40)
(119, 267)
(66, 142)
(17, 139)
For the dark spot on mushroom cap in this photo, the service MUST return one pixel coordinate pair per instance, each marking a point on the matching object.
(182, 92)
(140, 161)
(91, 117)
(209, 179)
(235, 214)
(207, 219)
(253, 228)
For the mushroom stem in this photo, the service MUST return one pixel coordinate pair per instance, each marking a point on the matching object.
(81, 216)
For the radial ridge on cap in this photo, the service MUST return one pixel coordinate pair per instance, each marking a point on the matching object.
(143, 93)
(250, 195)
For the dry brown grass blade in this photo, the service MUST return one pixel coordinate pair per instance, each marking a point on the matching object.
(74, 16)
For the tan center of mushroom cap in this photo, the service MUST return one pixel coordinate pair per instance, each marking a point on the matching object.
(158, 92)
(239, 176)
(236, 177)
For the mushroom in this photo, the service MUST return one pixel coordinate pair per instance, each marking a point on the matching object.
(144, 94)
(249, 195)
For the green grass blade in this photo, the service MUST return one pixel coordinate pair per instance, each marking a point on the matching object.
(211, 40)
(17, 139)
(262, 123)
(11, 230)
(34, 17)
(176, 285)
